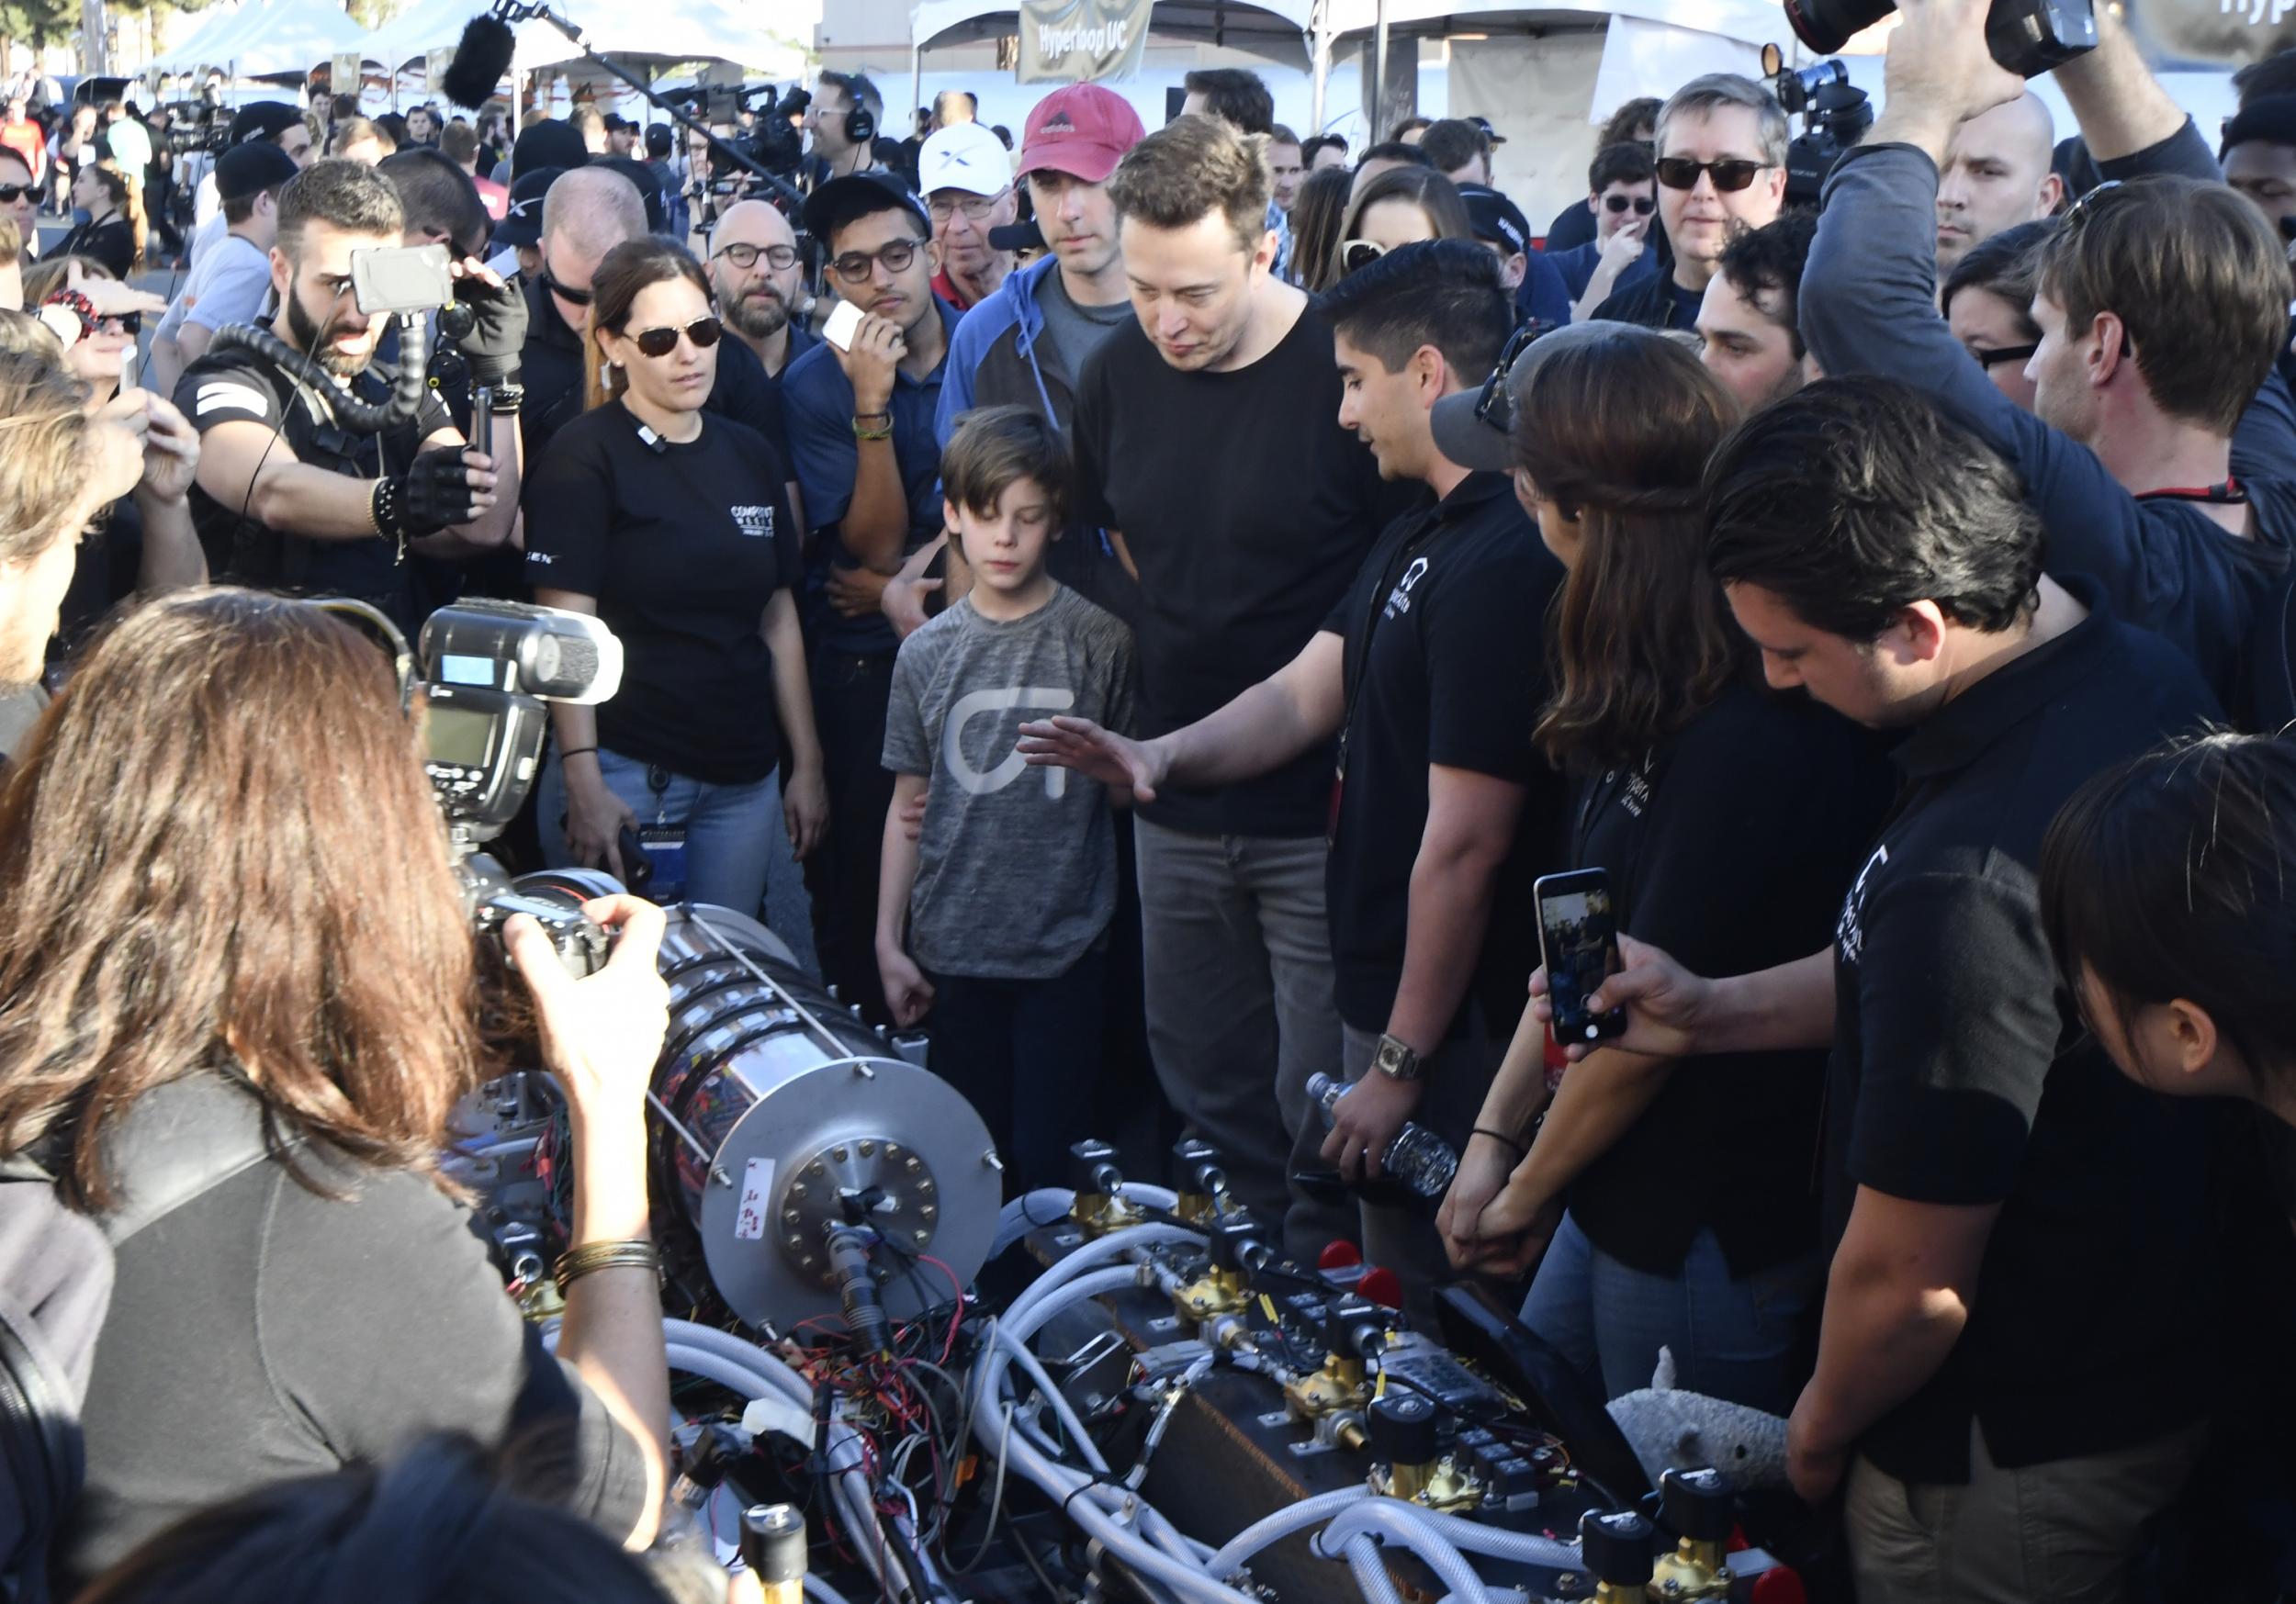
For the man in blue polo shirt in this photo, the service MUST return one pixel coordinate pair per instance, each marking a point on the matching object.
(862, 442)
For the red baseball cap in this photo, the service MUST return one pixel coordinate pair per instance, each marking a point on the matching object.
(1081, 130)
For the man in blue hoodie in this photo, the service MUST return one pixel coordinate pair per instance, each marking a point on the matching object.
(1026, 345)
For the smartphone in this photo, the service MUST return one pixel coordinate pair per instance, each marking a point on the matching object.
(1578, 941)
(844, 321)
(402, 278)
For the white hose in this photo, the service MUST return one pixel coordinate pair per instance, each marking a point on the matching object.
(1404, 1522)
(1012, 1351)
(1523, 1547)
(718, 1368)
(1371, 1578)
(1273, 1528)
(1022, 1324)
(748, 1354)
(820, 1592)
(1115, 1245)
(1045, 1207)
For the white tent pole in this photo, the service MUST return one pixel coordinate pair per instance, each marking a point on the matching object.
(1378, 80)
(1319, 59)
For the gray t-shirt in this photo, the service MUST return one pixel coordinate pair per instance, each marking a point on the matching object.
(1076, 331)
(227, 284)
(1015, 875)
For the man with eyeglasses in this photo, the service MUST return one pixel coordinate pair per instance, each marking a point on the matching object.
(965, 175)
(861, 440)
(1622, 193)
(2162, 305)
(758, 279)
(1721, 169)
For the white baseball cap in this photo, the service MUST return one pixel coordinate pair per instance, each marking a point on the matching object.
(966, 156)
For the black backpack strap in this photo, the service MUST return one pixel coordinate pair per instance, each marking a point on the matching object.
(181, 1141)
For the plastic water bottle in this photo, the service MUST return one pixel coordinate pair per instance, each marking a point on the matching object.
(1418, 1160)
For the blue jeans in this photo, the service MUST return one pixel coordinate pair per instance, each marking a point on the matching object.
(738, 850)
(1739, 1340)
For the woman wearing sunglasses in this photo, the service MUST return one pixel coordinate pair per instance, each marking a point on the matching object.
(1724, 817)
(1988, 301)
(19, 197)
(1400, 207)
(671, 525)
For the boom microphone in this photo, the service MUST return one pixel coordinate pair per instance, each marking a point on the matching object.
(480, 61)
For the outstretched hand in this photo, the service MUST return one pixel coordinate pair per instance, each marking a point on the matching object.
(1940, 72)
(1117, 761)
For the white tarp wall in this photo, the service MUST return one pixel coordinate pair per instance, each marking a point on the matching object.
(1549, 95)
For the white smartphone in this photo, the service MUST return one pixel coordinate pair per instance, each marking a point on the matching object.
(845, 320)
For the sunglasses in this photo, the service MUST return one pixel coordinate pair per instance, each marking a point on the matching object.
(12, 192)
(1492, 407)
(1988, 360)
(1644, 205)
(781, 258)
(579, 297)
(1729, 176)
(1359, 253)
(125, 324)
(703, 332)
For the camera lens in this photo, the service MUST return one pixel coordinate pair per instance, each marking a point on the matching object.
(1825, 26)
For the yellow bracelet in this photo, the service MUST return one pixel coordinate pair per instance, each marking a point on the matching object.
(577, 1262)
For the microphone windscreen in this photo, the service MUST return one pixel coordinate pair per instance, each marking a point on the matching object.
(480, 61)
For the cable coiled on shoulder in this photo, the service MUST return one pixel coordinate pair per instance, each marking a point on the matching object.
(358, 416)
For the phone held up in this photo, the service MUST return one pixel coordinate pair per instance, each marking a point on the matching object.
(1578, 941)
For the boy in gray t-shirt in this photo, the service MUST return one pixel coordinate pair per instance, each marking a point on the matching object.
(996, 919)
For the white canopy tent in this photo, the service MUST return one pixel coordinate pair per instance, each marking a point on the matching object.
(692, 30)
(266, 38)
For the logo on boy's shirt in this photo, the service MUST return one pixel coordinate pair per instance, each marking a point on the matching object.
(757, 522)
(1033, 699)
(1399, 599)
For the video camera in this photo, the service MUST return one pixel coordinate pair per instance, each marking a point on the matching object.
(488, 668)
(2027, 37)
(1835, 115)
(194, 125)
(775, 143)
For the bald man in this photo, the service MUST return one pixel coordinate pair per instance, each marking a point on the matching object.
(756, 271)
(1996, 175)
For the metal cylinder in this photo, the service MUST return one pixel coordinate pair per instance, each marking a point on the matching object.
(779, 1116)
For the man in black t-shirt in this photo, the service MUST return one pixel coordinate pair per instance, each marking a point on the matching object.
(1433, 665)
(1208, 444)
(291, 495)
(2014, 1357)
(1721, 169)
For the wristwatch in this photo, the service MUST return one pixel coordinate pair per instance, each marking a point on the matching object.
(1396, 1060)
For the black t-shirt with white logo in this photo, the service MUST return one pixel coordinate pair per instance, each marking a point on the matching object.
(682, 546)
(1446, 664)
(1247, 510)
(240, 387)
(1729, 847)
(1961, 1075)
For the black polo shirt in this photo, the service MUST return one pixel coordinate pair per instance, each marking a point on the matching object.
(1730, 846)
(1247, 510)
(1446, 664)
(1961, 1075)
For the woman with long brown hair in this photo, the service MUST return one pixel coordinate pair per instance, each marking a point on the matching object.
(671, 524)
(236, 984)
(1398, 208)
(1726, 819)
(114, 232)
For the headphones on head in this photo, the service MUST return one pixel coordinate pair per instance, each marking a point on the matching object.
(860, 123)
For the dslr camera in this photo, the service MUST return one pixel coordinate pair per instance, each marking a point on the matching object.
(488, 669)
(2027, 37)
(1835, 115)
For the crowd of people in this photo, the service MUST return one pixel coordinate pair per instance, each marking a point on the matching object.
(1144, 610)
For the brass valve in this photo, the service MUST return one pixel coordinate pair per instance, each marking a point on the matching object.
(1221, 1292)
(1697, 1505)
(1099, 1208)
(1442, 1485)
(1202, 1183)
(1340, 1385)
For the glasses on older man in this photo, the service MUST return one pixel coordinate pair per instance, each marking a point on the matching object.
(781, 258)
(976, 208)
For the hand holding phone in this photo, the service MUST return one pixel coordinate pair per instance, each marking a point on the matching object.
(1578, 941)
(845, 320)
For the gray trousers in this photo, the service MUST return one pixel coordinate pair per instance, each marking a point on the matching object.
(1238, 973)
(1404, 1239)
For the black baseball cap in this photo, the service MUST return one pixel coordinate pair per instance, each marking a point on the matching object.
(1496, 219)
(844, 200)
(522, 220)
(547, 142)
(262, 119)
(250, 169)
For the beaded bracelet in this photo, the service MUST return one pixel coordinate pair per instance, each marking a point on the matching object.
(577, 1262)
